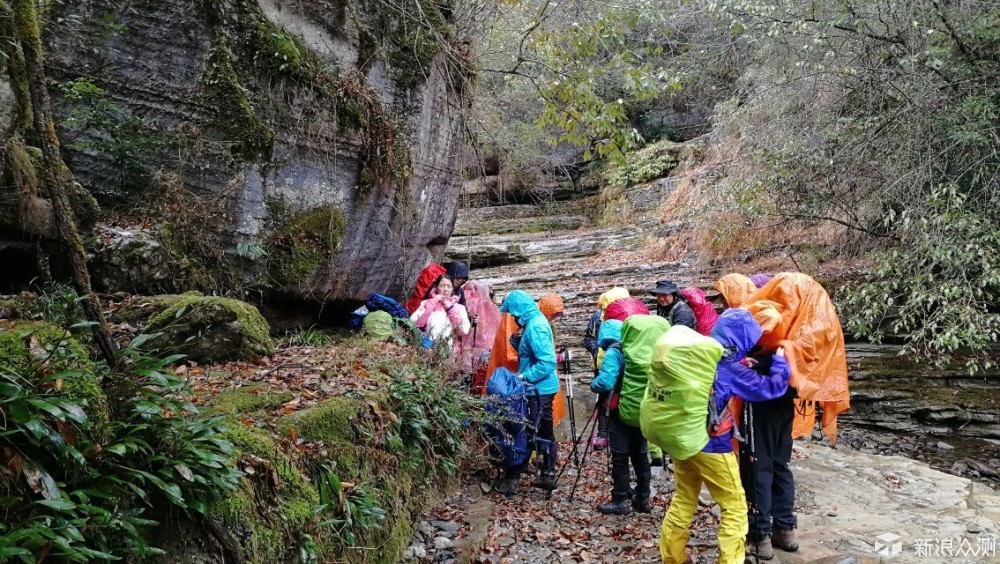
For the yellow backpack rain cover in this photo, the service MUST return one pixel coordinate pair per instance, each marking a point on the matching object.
(674, 412)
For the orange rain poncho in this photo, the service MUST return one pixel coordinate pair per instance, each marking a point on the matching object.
(736, 289)
(797, 314)
(551, 305)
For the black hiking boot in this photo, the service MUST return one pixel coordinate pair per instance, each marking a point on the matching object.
(620, 507)
(642, 506)
(509, 487)
(545, 481)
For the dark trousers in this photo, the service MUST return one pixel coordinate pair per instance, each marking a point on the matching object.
(627, 443)
(602, 414)
(768, 479)
(541, 435)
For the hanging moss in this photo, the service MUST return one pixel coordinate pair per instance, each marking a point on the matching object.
(418, 31)
(234, 113)
(303, 244)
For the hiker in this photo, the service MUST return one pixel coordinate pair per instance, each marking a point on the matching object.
(536, 365)
(441, 316)
(692, 380)
(796, 313)
(477, 343)
(627, 442)
(671, 306)
(551, 306)
(600, 440)
(458, 272)
(760, 279)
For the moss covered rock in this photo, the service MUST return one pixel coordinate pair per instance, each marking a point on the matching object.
(210, 329)
(39, 349)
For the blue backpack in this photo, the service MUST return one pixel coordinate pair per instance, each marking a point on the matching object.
(506, 409)
(377, 302)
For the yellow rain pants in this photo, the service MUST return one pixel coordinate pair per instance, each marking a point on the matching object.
(721, 474)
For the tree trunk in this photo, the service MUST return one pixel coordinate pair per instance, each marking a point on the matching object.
(57, 177)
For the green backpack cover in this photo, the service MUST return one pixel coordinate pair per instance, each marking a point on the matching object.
(675, 409)
(639, 334)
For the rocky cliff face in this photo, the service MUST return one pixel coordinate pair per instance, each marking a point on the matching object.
(306, 148)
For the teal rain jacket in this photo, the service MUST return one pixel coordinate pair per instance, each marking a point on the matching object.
(614, 361)
(536, 353)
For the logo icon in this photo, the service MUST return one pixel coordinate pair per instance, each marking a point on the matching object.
(888, 545)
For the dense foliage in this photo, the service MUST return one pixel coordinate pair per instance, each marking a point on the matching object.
(77, 486)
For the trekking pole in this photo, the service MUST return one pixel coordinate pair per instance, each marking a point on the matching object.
(569, 397)
(586, 449)
(592, 420)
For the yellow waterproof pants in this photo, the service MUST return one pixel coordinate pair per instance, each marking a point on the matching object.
(722, 476)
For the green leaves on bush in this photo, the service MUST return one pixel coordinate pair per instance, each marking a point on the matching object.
(939, 286)
(77, 500)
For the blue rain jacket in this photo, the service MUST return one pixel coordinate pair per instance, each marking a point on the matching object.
(536, 353)
(737, 331)
(614, 361)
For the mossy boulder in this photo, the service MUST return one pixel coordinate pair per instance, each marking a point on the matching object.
(39, 349)
(209, 329)
(335, 421)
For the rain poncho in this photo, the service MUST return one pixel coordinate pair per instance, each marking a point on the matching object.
(639, 334)
(624, 308)
(442, 319)
(614, 361)
(674, 413)
(502, 354)
(536, 354)
(735, 288)
(477, 343)
(738, 332)
(795, 312)
(425, 281)
(704, 311)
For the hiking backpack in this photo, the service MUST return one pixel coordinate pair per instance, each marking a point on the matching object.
(639, 334)
(674, 412)
(427, 277)
(506, 412)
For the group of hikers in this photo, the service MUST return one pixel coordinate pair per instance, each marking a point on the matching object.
(722, 394)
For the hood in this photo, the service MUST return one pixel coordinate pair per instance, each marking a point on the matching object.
(737, 330)
(736, 288)
(760, 279)
(610, 296)
(550, 305)
(610, 333)
(520, 305)
(457, 269)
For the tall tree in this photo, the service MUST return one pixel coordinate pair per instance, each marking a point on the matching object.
(56, 176)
